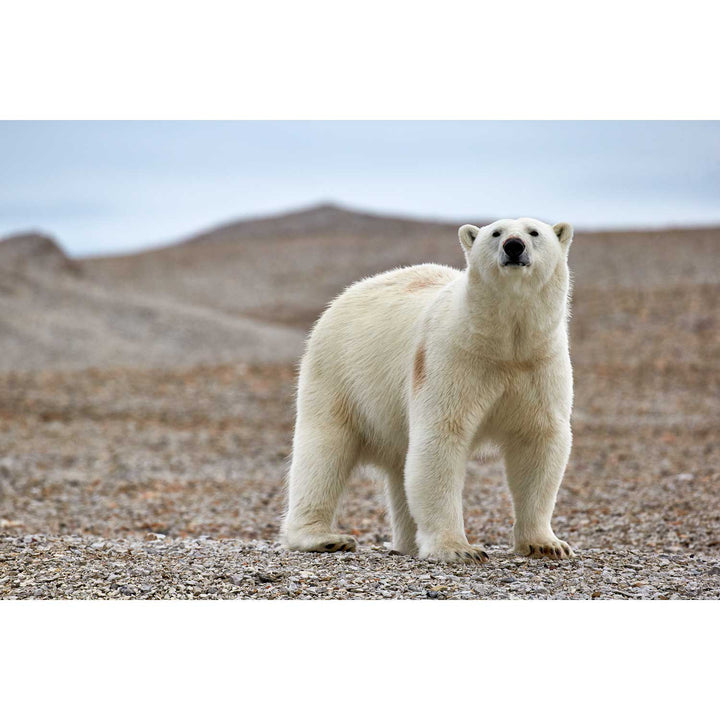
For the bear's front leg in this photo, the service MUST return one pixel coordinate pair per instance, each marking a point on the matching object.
(534, 468)
(434, 479)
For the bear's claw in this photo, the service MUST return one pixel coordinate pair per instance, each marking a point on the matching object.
(557, 550)
(338, 547)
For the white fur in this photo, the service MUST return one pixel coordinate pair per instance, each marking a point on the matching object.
(413, 369)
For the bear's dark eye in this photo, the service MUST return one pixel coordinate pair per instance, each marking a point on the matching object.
(534, 233)
(496, 233)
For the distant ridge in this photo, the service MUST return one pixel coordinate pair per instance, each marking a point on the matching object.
(317, 220)
(33, 250)
(327, 219)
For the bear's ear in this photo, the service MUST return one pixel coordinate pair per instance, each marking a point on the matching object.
(564, 232)
(467, 235)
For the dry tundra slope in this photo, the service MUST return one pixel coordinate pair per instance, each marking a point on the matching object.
(191, 442)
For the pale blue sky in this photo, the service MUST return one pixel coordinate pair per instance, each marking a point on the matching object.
(102, 187)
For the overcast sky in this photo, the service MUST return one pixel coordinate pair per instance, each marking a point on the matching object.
(102, 187)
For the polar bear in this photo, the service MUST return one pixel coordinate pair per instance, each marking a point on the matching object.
(414, 369)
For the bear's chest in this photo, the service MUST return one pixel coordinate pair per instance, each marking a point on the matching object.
(511, 398)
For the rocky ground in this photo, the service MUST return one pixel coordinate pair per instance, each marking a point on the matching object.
(157, 567)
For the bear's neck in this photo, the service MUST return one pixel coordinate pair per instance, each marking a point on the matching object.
(512, 324)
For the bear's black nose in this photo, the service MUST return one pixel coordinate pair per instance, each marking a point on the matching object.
(514, 247)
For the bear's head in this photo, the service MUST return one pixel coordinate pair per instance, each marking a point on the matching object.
(521, 253)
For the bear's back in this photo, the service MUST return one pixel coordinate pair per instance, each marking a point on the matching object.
(406, 280)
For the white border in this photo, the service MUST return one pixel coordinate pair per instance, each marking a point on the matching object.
(380, 59)
(359, 659)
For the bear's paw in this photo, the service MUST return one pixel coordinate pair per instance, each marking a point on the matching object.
(545, 548)
(462, 554)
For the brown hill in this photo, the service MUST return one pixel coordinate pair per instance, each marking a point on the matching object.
(52, 315)
(287, 268)
(33, 251)
(316, 221)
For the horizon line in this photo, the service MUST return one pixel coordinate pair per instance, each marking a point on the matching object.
(382, 214)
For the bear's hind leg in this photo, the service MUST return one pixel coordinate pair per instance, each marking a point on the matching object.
(323, 458)
(404, 529)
